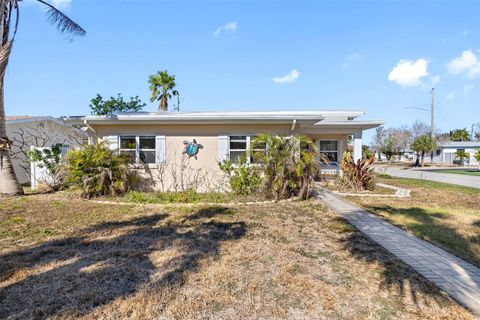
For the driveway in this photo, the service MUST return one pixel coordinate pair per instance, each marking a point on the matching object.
(463, 180)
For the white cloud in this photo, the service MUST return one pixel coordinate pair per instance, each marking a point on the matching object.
(435, 80)
(228, 27)
(292, 76)
(408, 73)
(467, 63)
(351, 59)
(451, 96)
(61, 4)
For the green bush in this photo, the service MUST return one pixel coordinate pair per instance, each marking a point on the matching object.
(285, 167)
(288, 165)
(98, 171)
(244, 178)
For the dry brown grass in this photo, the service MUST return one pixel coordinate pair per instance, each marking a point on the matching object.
(291, 260)
(446, 215)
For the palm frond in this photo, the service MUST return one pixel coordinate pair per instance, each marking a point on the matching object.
(64, 24)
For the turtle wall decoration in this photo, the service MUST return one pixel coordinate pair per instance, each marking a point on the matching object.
(192, 148)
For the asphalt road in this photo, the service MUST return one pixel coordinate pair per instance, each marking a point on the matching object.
(459, 179)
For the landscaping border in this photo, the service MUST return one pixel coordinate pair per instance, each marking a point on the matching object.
(223, 204)
(399, 192)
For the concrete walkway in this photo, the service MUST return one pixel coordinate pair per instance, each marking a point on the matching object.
(460, 179)
(460, 279)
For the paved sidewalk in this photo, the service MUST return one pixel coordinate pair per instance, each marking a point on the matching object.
(460, 279)
(460, 179)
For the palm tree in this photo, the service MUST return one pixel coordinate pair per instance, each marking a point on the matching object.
(459, 135)
(162, 86)
(9, 19)
(462, 155)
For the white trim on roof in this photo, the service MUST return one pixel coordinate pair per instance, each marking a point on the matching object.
(36, 119)
(460, 144)
(302, 117)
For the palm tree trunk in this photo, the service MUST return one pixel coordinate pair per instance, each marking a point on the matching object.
(164, 102)
(8, 181)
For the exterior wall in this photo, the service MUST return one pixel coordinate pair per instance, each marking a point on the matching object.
(20, 162)
(179, 172)
(42, 133)
(447, 155)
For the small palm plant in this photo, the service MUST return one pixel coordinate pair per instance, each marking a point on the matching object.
(95, 170)
(162, 86)
(462, 155)
(289, 165)
(477, 157)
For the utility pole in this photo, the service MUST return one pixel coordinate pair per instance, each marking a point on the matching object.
(432, 124)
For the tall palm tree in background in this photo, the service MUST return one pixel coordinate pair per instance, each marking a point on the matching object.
(9, 18)
(459, 135)
(162, 86)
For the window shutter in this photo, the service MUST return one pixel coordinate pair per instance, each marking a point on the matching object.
(160, 152)
(112, 142)
(223, 148)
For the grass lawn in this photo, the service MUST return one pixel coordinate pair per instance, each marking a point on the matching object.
(468, 172)
(444, 214)
(72, 259)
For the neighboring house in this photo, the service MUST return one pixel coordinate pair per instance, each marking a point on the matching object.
(159, 139)
(446, 151)
(27, 132)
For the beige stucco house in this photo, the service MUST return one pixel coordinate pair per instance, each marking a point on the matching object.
(156, 141)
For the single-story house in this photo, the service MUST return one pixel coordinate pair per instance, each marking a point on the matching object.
(446, 152)
(159, 141)
(42, 131)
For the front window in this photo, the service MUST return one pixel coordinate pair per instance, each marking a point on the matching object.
(329, 149)
(140, 149)
(128, 146)
(244, 146)
(147, 149)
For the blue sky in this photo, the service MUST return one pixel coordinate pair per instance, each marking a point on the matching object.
(381, 56)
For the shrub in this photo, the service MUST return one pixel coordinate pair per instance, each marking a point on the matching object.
(477, 157)
(285, 167)
(244, 178)
(288, 165)
(98, 171)
(461, 155)
(357, 176)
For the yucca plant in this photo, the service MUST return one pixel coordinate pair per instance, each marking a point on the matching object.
(357, 176)
(98, 171)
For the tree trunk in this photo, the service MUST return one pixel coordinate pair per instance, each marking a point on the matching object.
(8, 181)
(163, 102)
(423, 159)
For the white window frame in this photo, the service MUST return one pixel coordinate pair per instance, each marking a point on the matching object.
(248, 144)
(329, 140)
(137, 147)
